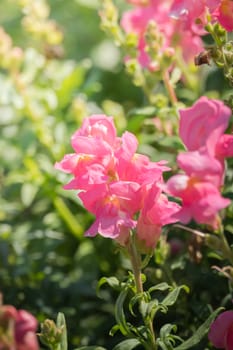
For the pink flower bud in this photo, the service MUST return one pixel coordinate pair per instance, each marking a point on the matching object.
(17, 329)
(221, 331)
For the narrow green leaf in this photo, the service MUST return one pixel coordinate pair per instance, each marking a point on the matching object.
(114, 329)
(200, 332)
(171, 298)
(138, 298)
(119, 313)
(150, 308)
(90, 348)
(148, 111)
(111, 281)
(162, 345)
(61, 323)
(28, 193)
(161, 286)
(127, 344)
(166, 330)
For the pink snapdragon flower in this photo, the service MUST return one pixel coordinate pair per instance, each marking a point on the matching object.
(173, 32)
(201, 165)
(198, 188)
(157, 211)
(201, 201)
(114, 182)
(190, 11)
(17, 329)
(224, 14)
(202, 126)
(221, 331)
(201, 129)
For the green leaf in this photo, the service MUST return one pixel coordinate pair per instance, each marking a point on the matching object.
(90, 348)
(138, 298)
(154, 307)
(166, 330)
(161, 286)
(162, 345)
(28, 193)
(171, 142)
(119, 313)
(137, 116)
(61, 323)
(127, 344)
(171, 298)
(111, 281)
(70, 83)
(148, 111)
(200, 332)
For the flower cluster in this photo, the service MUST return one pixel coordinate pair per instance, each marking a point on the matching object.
(17, 329)
(122, 188)
(170, 32)
(202, 128)
(189, 11)
(221, 331)
(179, 26)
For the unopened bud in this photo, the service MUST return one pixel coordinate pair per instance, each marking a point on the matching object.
(50, 335)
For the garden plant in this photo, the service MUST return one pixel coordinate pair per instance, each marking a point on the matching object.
(116, 209)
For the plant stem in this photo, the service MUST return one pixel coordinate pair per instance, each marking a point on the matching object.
(169, 88)
(136, 266)
(226, 250)
(135, 259)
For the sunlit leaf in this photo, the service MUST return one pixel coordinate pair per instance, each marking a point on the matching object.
(127, 344)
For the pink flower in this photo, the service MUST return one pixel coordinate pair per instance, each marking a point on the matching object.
(190, 11)
(221, 331)
(224, 14)
(224, 148)
(112, 179)
(157, 211)
(97, 126)
(201, 200)
(201, 165)
(203, 124)
(202, 129)
(19, 328)
(173, 32)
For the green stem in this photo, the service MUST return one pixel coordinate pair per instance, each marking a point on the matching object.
(169, 88)
(135, 259)
(136, 266)
(226, 250)
(75, 228)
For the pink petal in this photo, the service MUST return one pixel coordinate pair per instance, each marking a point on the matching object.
(219, 329)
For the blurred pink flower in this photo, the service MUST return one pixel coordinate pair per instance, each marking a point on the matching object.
(173, 31)
(19, 329)
(190, 11)
(221, 331)
(224, 14)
